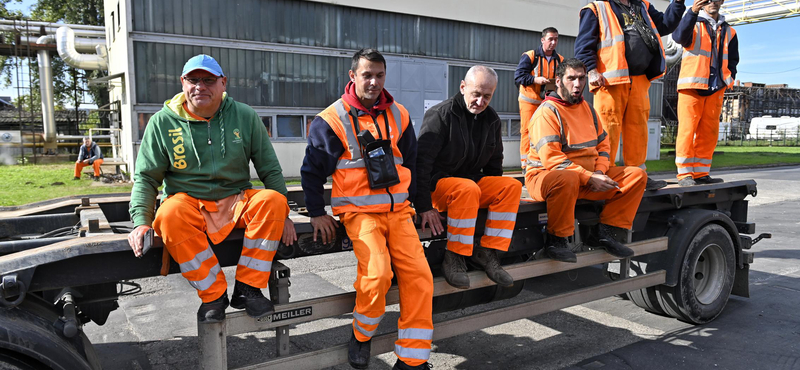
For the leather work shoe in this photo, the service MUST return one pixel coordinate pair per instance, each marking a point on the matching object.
(358, 352)
(686, 181)
(400, 365)
(654, 184)
(214, 311)
(487, 259)
(252, 300)
(76, 178)
(602, 236)
(708, 180)
(557, 249)
(455, 270)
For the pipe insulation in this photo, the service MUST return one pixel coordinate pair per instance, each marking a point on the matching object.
(46, 90)
(65, 42)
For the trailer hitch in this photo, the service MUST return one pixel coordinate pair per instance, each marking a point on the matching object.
(761, 236)
(11, 287)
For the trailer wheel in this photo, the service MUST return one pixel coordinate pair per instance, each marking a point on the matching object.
(705, 279)
(646, 298)
(14, 361)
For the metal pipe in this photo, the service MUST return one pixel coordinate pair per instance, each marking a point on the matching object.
(50, 25)
(83, 45)
(46, 90)
(65, 42)
(50, 31)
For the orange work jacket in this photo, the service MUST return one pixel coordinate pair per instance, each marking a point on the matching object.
(532, 94)
(699, 57)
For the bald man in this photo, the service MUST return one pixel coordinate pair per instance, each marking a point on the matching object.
(459, 170)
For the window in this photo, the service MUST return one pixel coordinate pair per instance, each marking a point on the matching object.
(143, 119)
(514, 128)
(290, 127)
(268, 124)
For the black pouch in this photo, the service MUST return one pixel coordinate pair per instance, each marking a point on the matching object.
(379, 162)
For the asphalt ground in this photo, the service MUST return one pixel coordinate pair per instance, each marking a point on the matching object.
(156, 329)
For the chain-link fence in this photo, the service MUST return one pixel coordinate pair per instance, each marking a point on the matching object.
(735, 136)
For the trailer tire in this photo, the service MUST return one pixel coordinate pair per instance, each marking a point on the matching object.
(705, 280)
(646, 298)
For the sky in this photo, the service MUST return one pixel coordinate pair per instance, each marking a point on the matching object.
(769, 51)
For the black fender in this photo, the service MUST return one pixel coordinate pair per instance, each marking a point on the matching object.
(681, 226)
(31, 331)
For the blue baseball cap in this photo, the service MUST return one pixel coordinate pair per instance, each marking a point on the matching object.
(203, 62)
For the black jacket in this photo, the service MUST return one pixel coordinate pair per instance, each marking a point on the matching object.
(443, 144)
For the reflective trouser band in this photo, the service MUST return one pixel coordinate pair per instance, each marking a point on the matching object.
(683, 160)
(461, 223)
(194, 263)
(685, 170)
(263, 244)
(458, 238)
(359, 319)
(208, 280)
(369, 200)
(529, 100)
(503, 233)
(414, 333)
(255, 264)
(415, 353)
(502, 216)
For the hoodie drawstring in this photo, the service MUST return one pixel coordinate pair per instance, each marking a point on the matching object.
(191, 140)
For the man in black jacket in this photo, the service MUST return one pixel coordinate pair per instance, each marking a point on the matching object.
(459, 170)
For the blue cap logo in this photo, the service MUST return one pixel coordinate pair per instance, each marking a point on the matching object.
(203, 62)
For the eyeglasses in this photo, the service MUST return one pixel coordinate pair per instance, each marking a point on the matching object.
(208, 81)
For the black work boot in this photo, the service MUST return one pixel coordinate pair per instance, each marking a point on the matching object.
(557, 249)
(252, 300)
(455, 270)
(400, 365)
(358, 352)
(686, 181)
(708, 180)
(654, 184)
(487, 260)
(214, 311)
(603, 236)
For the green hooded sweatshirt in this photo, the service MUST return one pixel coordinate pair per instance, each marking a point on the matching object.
(188, 156)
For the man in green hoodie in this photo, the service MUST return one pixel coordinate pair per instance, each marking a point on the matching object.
(200, 146)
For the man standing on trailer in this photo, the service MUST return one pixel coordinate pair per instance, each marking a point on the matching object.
(710, 57)
(535, 76)
(460, 168)
(568, 160)
(199, 146)
(89, 155)
(366, 141)
(619, 41)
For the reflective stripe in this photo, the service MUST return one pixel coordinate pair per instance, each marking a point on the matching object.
(545, 140)
(208, 280)
(695, 80)
(610, 42)
(604, 154)
(574, 147)
(702, 168)
(682, 160)
(529, 100)
(458, 238)
(359, 163)
(697, 53)
(523, 157)
(255, 264)
(564, 165)
(685, 170)
(344, 117)
(534, 163)
(617, 73)
(366, 332)
(263, 244)
(602, 136)
(398, 121)
(503, 233)
(198, 260)
(413, 333)
(642, 166)
(728, 80)
(368, 200)
(502, 216)
(461, 223)
(366, 320)
(415, 353)
(603, 15)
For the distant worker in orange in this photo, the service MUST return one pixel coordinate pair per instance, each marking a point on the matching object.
(535, 76)
(460, 167)
(710, 57)
(569, 160)
(89, 155)
(366, 142)
(619, 41)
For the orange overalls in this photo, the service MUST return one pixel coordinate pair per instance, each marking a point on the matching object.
(530, 98)
(95, 165)
(698, 116)
(183, 222)
(623, 103)
(380, 225)
(567, 147)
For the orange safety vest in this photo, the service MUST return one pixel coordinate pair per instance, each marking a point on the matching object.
(351, 191)
(611, 60)
(699, 57)
(532, 94)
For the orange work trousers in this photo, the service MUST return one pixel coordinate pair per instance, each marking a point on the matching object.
(183, 229)
(562, 188)
(382, 241)
(95, 165)
(461, 199)
(623, 109)
(698, 131)
(526, 111)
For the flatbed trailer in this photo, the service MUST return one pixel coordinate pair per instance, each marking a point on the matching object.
(691, 248)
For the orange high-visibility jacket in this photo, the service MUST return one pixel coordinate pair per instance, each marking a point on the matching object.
(611, 60)
(351, 191)
(541, 68)
(698, 58)
(567, 137)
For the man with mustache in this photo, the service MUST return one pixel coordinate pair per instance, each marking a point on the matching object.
(199, 146)
(366, 142)
(708, 67)
(568, 160)
(460, 167)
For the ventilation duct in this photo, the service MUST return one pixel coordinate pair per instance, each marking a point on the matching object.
(65, 42)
